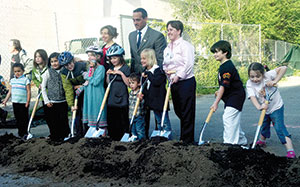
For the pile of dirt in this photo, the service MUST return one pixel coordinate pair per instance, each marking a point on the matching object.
(171, 163)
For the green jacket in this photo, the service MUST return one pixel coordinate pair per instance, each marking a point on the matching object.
(71, 79)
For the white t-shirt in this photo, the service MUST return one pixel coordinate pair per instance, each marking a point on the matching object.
(255, 90)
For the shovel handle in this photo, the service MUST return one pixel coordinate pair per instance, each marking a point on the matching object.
(167, 97)
(35, 107)
(262, 115)
(75, 104)
(209, 115)
(104, 98)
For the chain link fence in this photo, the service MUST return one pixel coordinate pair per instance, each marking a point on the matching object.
(275, 50)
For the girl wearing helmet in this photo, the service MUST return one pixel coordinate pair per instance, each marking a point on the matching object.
(72, 79)
(55, 99)
(117, 103)
(94, 90)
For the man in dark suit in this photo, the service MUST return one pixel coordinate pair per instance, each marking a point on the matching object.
(144, 37)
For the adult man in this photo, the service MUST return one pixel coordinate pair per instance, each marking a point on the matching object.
(144, 37)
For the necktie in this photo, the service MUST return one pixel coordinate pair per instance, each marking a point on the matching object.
(139, 39)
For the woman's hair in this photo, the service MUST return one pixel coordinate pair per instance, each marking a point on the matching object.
(150, 56)
(53, 55)
(255, 66)
(112, 31)
(44, 56)
(223, 46)
(18, 65)
(178, 25)
(17, 44)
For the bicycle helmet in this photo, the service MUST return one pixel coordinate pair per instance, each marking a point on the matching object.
(94, 49)
(65, 58)
(115, 50)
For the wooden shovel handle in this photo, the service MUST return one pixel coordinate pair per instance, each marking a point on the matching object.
(167, 98)
(209, 115)
(262, 115)
(104, 98)
(75, 104)
(35, 107)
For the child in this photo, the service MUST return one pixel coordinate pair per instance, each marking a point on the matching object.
(72, 79)
(256, 85)
(138, 124)
(20, 96)
(94, 91)
(155, 90)
(117, 103)
(232, 92)
(39, 68)
(55, 100)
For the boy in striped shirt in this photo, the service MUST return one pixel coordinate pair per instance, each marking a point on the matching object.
(20, 93)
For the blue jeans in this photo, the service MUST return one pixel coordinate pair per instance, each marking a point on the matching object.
(167, 124)
(277, 118)
(138, 127)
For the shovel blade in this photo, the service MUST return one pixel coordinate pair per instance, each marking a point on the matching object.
(29, 136)
(94, 133)
(125, 137)
(165, 134)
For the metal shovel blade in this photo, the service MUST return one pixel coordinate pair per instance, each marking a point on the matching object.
(125, 137)
(94, 133)
(29, 136)
(163, 133)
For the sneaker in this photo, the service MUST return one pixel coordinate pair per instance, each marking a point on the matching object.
(261, 143)
(291, 154)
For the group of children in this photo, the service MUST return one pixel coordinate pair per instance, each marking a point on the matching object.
(60, 79)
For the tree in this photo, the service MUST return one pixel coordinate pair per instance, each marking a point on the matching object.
(279, 19)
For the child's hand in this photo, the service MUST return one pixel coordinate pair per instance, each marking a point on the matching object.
(140, 96)
(4, 103)
(49, 105)
(110, 72)
(214, 107)
(73, 108)
(85, 83)
(118, 72)
(77, 86)
(144, 75)
(27, 105)
(271, 83)
(263, 106)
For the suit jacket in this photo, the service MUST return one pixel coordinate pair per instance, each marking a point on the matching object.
(152, 39)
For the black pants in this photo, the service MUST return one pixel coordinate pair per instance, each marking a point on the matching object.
(21, 115)
(184, 101)
(58, 120)
(118, 122)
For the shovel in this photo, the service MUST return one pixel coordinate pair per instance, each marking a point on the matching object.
(73, 120)
(262, 116)
(164, 133)
(96, 131)
(201, 142)
(32, 115)
(126, 137)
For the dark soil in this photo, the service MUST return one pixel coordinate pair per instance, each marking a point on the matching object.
(170, 163)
